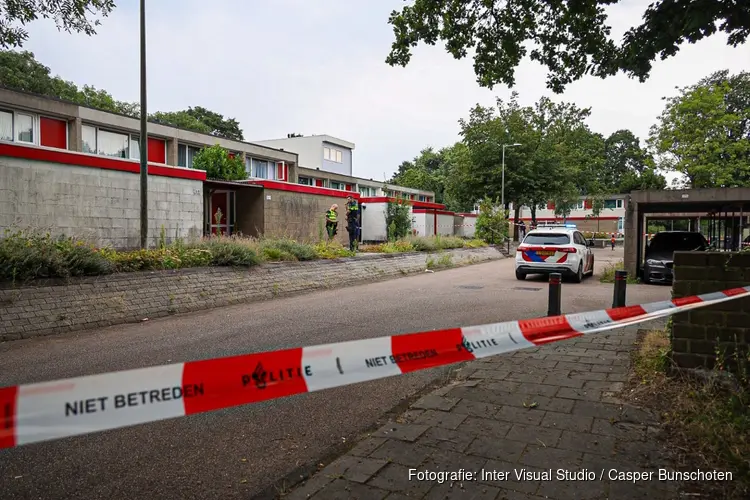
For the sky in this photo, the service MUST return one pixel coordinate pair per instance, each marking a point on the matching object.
(318, 67)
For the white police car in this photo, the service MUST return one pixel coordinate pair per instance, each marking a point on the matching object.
(555, 249)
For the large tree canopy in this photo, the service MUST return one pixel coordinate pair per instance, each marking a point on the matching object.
(570, 38)
(72, 16)
(704, 132)
(21, 71)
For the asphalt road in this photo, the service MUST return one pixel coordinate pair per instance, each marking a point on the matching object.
(237, 453)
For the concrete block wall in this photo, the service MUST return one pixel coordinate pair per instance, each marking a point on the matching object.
(98, 204)
(301, 216)
(85, 303)
(696, 335)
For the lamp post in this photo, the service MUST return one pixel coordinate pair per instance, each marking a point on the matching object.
(502, 192)
(144, 134)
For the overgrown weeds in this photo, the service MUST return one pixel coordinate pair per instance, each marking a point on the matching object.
(707, 418)
(27, 254)
(608, 273)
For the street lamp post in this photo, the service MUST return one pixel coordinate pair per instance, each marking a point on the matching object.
(502, 192)
(144, 134)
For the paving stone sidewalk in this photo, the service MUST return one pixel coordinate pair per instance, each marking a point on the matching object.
(549, 408)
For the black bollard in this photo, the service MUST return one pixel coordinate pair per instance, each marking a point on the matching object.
(555, 295)
(621, 282)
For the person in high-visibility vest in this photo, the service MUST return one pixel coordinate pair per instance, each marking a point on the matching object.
(352, 221)
(332, 221)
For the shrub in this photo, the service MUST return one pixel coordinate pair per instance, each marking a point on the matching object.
(230, 251)
(491, 225)
(288, 249)
(217, 163)
(27, 254)
(398, 219)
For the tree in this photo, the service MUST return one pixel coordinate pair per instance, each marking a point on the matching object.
(570, 38)
(218, 164)
(21, 71)
(704, 132)
(72, 16)
(628, 166)
(426, 172)
(202, 120)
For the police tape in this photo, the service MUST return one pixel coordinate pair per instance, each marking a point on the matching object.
(83, 405)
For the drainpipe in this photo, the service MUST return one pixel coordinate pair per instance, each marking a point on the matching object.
(436, 220)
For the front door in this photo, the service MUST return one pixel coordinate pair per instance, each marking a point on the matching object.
(221, 212)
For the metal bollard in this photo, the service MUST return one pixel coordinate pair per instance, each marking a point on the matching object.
(555, 295)
(621, 282)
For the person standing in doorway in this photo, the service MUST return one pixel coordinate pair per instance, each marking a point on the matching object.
(332, 221)
(352, 222)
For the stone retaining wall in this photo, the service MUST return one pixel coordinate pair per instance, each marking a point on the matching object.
(84, 303)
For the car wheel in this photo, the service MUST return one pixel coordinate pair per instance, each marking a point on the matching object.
(520, 275)
(579, 275)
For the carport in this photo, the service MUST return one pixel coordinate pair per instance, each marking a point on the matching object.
(721, 214)
(232, 208)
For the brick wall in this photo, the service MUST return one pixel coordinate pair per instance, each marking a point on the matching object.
(51, 308)
(102, 205)
(697, 334)
(301, 216)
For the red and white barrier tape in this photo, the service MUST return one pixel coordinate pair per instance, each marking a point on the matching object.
(53, 410)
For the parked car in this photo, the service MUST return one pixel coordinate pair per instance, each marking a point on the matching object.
(555, 249)
(660, 253)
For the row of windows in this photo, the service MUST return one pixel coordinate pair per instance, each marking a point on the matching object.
(331, 154)
(581, 205)
(28, 128)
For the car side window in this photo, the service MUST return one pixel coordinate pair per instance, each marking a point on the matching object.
(578, 238)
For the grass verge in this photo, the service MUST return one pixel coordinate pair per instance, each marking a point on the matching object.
(707, 421)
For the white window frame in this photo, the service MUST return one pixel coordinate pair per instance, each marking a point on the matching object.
(187, 155)
(581, 204)
(340, 185)
(97, 128)
(334, 155)
(268, 163)
(619, 203)
(14, 131)
(308, 179)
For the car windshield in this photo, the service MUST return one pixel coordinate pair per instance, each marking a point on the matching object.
(547, 239)
(677, 242)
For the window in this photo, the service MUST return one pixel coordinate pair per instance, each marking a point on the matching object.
(422, 198)
(544, 238)
(619, 203)
(261, 169)
(17, 127)
(331, 154)
(620, 224)
(367, 191)
(305, 181)
(112, 144)
(6, 126)
(337, 185)
(24, 126)
(88, 137)
(579, 239)
(186, 155)
(610, 204)
(580, 205)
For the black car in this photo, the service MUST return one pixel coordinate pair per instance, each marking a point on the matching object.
(660, 253)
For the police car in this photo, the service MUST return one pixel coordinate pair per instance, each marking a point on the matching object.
(555, 249)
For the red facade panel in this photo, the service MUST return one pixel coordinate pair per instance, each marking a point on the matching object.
(53, 133)
(157, 150)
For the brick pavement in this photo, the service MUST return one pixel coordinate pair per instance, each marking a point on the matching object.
(549, 408)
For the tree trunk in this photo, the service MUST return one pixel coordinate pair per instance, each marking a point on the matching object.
(516, 216)
(533, 215)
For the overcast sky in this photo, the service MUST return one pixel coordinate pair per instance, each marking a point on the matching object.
(317, 67)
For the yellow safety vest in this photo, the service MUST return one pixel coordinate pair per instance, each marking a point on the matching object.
(331, 216)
